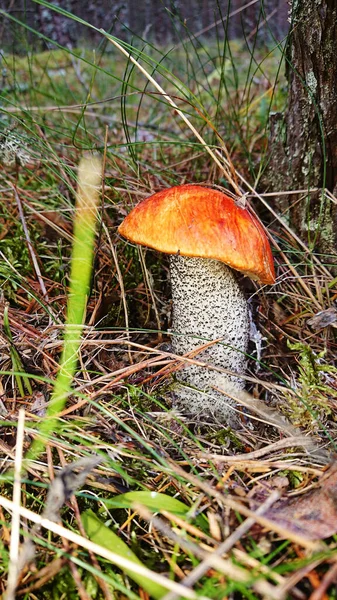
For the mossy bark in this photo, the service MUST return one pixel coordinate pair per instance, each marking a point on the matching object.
(304, 139)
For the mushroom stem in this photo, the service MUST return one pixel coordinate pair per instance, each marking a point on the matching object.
(208, 304)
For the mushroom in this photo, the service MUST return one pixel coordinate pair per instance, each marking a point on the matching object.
(207, 235)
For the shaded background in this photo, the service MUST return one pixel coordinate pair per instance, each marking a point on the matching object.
(153, 20)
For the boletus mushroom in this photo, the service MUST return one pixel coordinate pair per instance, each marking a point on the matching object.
(209, 237)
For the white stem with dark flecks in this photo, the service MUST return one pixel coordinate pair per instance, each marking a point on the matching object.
(208, 304)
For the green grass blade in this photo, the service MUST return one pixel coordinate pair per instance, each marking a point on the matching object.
(101, 534)
(18, 368)
(154, 501)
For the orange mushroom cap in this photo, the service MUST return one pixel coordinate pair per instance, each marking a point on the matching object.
(196, 221)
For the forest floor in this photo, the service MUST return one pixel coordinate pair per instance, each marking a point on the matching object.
(208, 511)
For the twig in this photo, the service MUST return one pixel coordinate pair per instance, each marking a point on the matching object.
(13, 569)
(122, 562)
(29, 244)
(225, 566)
(223, 548)
(149, 286)
(121, 285)
(329, 577)
(280, 445)
(244, 510)
(272, 417)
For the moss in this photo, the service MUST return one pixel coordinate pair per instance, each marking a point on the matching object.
(311, 82)
(309, 408)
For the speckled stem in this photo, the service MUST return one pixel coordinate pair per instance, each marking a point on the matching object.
(208, 304)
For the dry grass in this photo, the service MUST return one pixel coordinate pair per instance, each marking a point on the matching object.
(119, 406)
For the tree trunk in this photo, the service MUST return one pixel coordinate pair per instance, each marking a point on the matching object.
(304, 141)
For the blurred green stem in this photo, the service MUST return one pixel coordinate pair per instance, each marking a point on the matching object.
(89, 178)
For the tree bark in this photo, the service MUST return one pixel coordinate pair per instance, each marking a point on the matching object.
(304, 140)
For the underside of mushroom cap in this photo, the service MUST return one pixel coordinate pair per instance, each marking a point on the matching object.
(202, 222)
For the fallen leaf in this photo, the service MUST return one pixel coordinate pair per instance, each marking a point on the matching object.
(324, 318)
(68, 480)
(312, 515)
